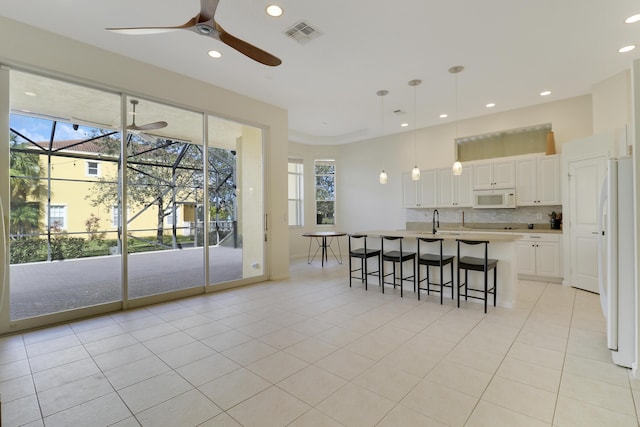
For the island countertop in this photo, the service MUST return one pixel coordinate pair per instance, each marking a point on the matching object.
(448, 235)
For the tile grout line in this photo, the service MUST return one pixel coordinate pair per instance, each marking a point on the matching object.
(505, 356)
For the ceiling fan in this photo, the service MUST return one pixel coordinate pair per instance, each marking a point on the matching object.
(143, 128)
(205, 24)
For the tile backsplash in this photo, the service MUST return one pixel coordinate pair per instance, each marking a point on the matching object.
(523, 214)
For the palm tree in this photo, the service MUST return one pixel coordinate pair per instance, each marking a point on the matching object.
(26, 189)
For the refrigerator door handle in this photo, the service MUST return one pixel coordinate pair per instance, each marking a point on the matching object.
(602, 250)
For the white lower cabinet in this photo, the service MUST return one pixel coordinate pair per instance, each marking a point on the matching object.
(540, 256)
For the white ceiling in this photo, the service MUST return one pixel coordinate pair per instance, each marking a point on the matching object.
(511, 51)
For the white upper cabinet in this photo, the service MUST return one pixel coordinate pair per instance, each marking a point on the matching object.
(428, 180)
(492, 174)
(419, 194)
(538, 181)
(454, 191)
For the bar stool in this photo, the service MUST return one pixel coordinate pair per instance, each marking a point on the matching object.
(485, 264)
(399, 257)
(364, 254)
(434, 260)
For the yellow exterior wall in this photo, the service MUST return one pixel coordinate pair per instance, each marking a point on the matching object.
(76, 196)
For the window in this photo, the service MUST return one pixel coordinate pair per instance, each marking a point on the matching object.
(115, 216)
(296, 193)
(325, 171)
(93, 168)
(58, 217)
(168, 214)
(514, 142)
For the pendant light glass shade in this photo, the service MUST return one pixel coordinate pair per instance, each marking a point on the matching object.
(415, 172)
(457, 166)
(382, 93)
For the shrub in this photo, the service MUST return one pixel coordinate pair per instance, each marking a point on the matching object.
(27, 249)
(64, 247)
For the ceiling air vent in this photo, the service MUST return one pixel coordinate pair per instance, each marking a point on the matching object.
(302, 32)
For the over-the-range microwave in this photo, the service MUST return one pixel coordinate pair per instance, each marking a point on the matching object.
(494, 199)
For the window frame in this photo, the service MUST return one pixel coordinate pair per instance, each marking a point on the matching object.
(298, 175)
(65, 220)
(88, 168)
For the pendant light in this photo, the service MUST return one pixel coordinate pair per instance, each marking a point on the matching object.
(457, 166)
(415, 172)
(382, 93)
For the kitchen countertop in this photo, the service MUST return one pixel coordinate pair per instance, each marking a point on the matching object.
(500, 230)
(425, 227)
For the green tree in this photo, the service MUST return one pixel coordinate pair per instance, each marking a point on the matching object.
(325, 191)
(160, 173)
(27, 189)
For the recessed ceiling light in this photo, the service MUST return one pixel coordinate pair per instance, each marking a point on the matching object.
(632, 19)
(627, 48)
(444, 116)
(490, 105)
(404, 125)
(545, 93)
(214, 54)
(30, 94)
(274, 10)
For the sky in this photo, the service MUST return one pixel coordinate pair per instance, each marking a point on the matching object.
(39, 130)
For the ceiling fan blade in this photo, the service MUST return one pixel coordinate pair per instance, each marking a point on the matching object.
(148, 126)
(154, 30)
(247, 49)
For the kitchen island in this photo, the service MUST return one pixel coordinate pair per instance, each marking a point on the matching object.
(501, 248)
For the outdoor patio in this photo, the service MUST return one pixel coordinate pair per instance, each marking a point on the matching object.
(49, 287)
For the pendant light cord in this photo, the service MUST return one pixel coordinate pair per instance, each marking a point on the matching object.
(415, 123)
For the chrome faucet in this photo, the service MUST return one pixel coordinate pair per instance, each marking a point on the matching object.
(435, 222)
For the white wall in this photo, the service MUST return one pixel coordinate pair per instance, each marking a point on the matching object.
(33, 49)
(612, 100)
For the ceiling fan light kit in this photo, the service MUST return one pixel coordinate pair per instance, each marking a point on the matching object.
(205, 24)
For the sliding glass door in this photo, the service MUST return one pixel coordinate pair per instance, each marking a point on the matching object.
(64, 148)
(235, 191)
(165, 186)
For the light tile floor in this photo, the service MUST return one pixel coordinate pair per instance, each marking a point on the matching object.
(310, 351)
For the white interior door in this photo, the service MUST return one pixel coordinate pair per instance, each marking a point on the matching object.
(585, 183)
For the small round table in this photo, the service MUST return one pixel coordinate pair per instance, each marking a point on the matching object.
(324, 239)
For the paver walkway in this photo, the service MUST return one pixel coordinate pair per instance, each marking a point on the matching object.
(49, 287)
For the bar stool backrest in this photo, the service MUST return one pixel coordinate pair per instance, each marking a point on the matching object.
(358, 236)
(390, 238)
(429, 240)
(473, 243)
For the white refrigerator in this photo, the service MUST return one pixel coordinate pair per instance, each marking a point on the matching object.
(617, 260)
